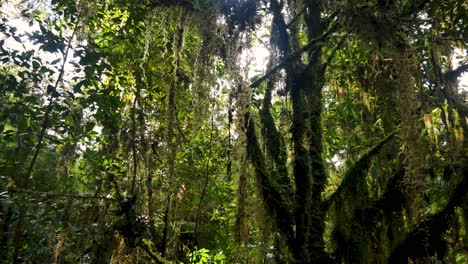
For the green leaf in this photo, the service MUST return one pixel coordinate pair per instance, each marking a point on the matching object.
(77, 88)
(36, 64)
(55, 61)
(51, 89)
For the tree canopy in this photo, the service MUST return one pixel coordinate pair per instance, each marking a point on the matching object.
(233, 131)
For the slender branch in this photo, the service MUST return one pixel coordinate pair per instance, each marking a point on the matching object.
(134, 152)
(335, 50)
(294, 20)
(50, 107)
(229, 149)
(296, 17)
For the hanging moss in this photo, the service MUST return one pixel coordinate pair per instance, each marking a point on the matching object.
(274, 201)
(275, 144)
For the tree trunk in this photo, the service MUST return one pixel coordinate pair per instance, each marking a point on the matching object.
(309, 172)
(242, 231)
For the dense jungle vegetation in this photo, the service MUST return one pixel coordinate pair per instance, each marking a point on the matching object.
(233, 131)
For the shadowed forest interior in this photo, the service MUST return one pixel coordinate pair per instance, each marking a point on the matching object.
(234, 131)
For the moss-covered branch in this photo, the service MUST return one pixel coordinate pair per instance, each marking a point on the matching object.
(274, 141)
(357, 172)
(273, 199)
(427, 238)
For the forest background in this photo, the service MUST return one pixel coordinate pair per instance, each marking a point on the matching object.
(233, 131)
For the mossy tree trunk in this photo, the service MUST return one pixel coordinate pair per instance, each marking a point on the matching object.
(304, 82)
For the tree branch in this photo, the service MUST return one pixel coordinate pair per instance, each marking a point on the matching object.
(357, 170)
(293, 57)
(296, 18)
(273, 199)
(427, 238)
(452, 76)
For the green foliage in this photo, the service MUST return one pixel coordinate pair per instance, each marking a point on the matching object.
(201, 256)
(129, 132)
